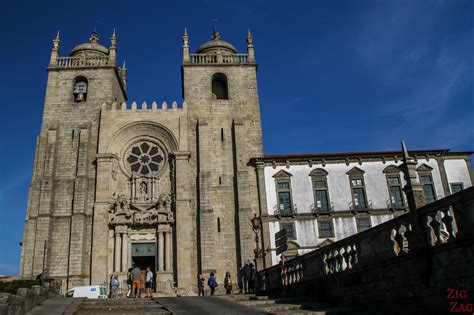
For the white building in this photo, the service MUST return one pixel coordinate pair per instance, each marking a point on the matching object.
(322, 198)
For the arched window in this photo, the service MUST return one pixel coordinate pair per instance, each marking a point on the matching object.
(80, 89)
(219, 86)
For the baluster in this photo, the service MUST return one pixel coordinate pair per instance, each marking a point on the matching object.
(436, 228)
(346, 256)
(448, 220)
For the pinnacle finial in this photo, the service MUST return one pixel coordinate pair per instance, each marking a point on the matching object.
(405, 151)
(113, 34)
(57, 35)
(123, 67)
(249, 33)
(94, 37)
(185, 31)
(215, 34)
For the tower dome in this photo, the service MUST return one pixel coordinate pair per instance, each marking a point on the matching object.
(92, 48)
(215, 44)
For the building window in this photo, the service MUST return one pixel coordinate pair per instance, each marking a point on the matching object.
(219, 86)
(290, 230)
(320, 190)
(284, 197)
(145, 158)
(394, 187)
(80, 89)
(456, 187)
(284, 204)
(424, 173)
(363, 224)
(325, 229)
(359, 199)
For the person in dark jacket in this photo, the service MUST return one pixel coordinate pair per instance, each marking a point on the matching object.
(212, 283)
(253, 276)
(247, 271)
(200, 284)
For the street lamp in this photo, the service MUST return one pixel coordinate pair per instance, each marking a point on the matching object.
(256, 226)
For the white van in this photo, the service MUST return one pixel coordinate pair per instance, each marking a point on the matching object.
(90, 292)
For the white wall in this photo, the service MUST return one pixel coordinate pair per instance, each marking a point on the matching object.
(340, 194)
(457, 172)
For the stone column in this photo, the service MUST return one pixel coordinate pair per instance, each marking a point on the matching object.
(168, 262)
(184, 221)
(161, 251)
(117, 251)
(125, 265)
(99, 266)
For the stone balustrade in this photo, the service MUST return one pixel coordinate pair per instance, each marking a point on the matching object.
(219, 58)
(434, 229)
(70, 62)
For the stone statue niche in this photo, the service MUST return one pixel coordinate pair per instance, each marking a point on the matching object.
(143, 190)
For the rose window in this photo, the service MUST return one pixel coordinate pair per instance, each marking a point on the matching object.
(145, 158)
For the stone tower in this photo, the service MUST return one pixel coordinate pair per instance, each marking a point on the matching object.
(58, 225)
(220, 90)
(152, 186)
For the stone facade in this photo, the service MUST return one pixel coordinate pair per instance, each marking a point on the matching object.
(165, 186)
(175, 186)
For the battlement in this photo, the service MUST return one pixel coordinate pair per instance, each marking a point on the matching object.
(143, 107)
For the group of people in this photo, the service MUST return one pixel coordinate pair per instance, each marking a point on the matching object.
(135, 278)
(212, 283)
(246, 278)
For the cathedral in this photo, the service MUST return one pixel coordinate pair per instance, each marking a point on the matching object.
(176, 186)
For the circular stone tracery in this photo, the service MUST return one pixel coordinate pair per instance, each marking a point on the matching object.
(145, 158)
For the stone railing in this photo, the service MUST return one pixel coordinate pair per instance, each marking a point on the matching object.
(438, 224)
(70, 62)
(218, 58)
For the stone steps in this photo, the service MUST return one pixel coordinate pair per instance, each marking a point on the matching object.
(121, 306)
(291, 306)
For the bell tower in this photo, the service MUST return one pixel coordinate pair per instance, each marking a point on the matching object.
(60, 212)
(224, 132)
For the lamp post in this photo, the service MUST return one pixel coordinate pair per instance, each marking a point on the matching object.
(256, 226)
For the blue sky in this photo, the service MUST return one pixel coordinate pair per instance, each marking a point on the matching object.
(333, 75)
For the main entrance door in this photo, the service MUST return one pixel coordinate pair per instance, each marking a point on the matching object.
(143, 256)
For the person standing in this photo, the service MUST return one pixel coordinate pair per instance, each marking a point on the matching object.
(43, 276)
(136, 281)
(200, 284)
(129, 282)
(247, 275)
(114, 285)
(253, 276)
(148, 282)
(212, 283)
(228, 283)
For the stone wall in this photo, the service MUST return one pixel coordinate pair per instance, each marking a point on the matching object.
(27, 298)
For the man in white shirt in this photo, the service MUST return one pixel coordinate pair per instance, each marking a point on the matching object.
(148, 282)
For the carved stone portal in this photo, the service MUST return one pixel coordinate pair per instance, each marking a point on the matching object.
(124, 213)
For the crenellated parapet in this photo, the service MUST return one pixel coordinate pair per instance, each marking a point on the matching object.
(144, 106)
